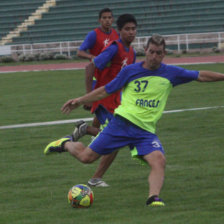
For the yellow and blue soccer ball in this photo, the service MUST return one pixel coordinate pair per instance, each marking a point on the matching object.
(80, 196)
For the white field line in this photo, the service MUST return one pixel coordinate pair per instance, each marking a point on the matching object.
(41, 70)
(37, 124)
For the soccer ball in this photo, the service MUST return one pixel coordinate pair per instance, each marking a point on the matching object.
(80, 196)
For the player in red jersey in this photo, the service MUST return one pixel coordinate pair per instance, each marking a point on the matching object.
(100, 37)
(95, 41)
(105, 67)
(122, 58)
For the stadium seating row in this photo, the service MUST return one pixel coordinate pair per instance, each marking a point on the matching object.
(13, 13)
(70, 20)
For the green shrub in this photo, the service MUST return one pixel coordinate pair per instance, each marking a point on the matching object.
(60, 56)
(7, 59)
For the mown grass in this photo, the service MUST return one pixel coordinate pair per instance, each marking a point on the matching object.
(33, 187)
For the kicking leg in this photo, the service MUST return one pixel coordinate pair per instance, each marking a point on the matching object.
(80, 152)
(76, 149)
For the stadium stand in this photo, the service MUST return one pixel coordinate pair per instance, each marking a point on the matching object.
(30, 20)
(13, 13)
(70, 20)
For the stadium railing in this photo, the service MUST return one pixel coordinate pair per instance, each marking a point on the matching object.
(176, 43)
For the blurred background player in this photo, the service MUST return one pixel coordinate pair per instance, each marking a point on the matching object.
(105, 67)
(100, 37)
(94, 43)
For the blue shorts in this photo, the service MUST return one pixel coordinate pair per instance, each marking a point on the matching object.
(103, 116)
(121, 132)
(93, 83)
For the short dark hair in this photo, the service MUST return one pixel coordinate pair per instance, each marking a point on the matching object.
(125, 18)
(104, 10)
(156, 39)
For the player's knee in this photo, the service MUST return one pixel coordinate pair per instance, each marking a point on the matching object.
(86, 159)
(161, 160)
(157, 160)
(88, 156)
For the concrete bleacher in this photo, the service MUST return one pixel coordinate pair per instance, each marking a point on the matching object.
(71, 20)
(13, 13)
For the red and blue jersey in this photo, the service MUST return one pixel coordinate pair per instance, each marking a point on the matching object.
(108, 64)
(96, 40)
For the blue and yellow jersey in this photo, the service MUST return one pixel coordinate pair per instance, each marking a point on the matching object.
(145, 92)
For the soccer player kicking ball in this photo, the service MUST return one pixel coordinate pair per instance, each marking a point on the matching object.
(145, 88)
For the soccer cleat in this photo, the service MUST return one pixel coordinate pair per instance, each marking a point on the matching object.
(80, 130)
(97, 182)
(155, 201)
(56, 146)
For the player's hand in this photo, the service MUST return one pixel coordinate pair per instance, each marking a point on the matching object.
(87, 106)
(70, 105)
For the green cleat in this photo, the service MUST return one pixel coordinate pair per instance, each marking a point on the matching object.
(155, 201)
(56, 146)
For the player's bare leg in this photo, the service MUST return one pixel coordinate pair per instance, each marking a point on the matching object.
(157, 162)
(80, 152)
(103, 166)
(82, 129)
(96, 123)
(105, 163)
(93, 131)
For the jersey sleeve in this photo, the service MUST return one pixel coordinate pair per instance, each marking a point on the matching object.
(184, 76)
(105, 56)
(89, 41)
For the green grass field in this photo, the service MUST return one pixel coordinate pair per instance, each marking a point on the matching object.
(33, 187)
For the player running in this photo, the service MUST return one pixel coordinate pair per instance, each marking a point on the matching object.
(94, 42)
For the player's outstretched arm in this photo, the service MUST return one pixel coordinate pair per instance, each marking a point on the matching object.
(95, 95)
(209, 76)
(84, 54)
(70, 105)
